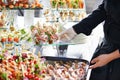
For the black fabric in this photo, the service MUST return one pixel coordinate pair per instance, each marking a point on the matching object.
(110, 71)
(105, 48)
(114, 73)
(108, 11)
(86, 25)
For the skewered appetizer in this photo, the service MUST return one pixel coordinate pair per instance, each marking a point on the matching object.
(72, 15)
(44, 34)
(2, 20)
(59, 70)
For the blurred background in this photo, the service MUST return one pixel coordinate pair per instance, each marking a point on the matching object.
(92, 4)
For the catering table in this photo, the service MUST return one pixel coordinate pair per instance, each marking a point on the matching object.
(84, 50)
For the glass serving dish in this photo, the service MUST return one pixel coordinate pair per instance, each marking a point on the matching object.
(64, 14)
(47, 34)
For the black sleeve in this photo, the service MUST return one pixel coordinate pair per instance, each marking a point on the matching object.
(86, 25)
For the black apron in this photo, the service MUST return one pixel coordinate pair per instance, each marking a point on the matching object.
(111, 71)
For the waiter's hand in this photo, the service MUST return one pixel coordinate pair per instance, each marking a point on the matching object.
(104, 59)
(67, 35)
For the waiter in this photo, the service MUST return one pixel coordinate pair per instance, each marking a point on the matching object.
(105, 63)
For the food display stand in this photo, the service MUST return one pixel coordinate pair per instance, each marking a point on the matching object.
(18, 57)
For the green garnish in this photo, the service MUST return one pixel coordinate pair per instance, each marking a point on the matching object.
(4, 76)
(23, 31)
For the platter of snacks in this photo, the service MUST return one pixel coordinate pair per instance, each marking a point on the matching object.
(11, 37)
(23, 66)
(48, 34)
(65, 15)
(67, 68)
(20, 4)
(67, 4)
(72, 15)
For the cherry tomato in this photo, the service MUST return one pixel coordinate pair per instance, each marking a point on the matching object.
(28, 69)
(43, 71)
(10, 59)
(35, 61)
(13, 74)
(3, 39)
(10, 77)
(37, 78)
(16, 39)
(30, 76)
(10, 39)
(25, 74)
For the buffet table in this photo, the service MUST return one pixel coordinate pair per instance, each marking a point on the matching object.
(22, 59)
(85, 49)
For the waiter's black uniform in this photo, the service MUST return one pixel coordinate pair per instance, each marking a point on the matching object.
(108, 11)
